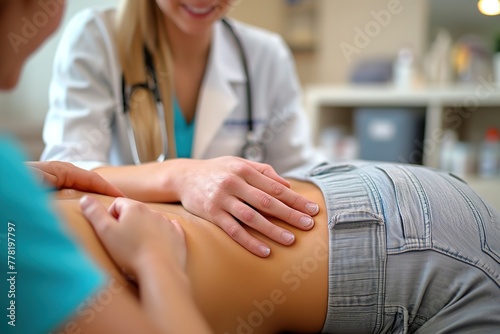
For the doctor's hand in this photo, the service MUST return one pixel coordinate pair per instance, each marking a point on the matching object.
(230, 190)
(61, 175)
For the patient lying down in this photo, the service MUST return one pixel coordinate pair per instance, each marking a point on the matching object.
(389, 253)
(236, 291)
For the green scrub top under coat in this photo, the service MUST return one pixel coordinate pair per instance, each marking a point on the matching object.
(184, 133)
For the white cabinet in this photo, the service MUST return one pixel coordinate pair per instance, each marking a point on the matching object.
(468, 111)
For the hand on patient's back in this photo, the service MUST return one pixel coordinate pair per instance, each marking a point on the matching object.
(61, 175)
(132, 233)
(230, 190)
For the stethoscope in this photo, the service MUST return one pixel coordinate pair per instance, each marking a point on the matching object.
(253, 149)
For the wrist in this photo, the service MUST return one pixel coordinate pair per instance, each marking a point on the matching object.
(154, 265)
(175, 178)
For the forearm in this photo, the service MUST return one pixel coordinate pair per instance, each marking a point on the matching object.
(150, 182)
(167, 300)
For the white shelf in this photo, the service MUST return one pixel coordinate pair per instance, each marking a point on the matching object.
(325, 103)
(388, 95)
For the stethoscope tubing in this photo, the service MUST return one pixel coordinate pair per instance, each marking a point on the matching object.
(253, 149)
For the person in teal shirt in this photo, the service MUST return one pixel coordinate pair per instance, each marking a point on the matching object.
(42, 269)
(48, 283)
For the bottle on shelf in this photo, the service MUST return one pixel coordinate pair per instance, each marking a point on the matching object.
(448, 143)
(403, 72)
(489, 156)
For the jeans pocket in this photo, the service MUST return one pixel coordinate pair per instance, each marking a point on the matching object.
(411, 204)
(396, 320)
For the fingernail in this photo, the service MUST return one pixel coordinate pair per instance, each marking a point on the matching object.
(288, 237)
(265, 251)
(312, 208)
(85, 202)
(306, 221)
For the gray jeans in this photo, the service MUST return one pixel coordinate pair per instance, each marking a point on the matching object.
(412, 250)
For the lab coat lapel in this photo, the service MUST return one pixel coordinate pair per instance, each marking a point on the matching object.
(217, 96)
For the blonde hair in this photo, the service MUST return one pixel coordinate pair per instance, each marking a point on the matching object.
(139, 24)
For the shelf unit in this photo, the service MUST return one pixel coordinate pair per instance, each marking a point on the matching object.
(466, 109)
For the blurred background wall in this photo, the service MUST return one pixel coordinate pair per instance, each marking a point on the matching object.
(23, 109)
(332, 23)
(412, 24)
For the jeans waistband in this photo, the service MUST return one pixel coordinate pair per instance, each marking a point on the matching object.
(357, 255)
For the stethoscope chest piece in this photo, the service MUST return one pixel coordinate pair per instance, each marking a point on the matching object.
(253, 149)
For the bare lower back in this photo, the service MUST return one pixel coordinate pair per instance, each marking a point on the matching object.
(237, 291)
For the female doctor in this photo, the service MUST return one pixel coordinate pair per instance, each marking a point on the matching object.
(159, 79)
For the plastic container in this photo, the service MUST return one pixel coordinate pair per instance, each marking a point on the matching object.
(489, 156)
(390, 134)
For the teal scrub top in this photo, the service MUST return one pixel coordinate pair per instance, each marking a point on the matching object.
(47, 276)
(184, 133)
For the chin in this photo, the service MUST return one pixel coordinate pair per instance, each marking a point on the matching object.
(197, 30)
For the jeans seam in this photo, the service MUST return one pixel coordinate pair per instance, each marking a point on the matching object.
(482, 234)
(381, 235)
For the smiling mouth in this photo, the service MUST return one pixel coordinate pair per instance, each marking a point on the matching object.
(199, 11)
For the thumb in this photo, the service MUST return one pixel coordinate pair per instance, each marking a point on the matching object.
(97, 214)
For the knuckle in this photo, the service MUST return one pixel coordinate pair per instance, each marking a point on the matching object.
(247, 215)
(277, 188)
(234, 231)
(227, 182)
(266, 201)
(266, 168)
(240, 168)
(211, 209)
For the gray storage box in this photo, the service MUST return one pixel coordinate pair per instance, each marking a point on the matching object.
(390, 134)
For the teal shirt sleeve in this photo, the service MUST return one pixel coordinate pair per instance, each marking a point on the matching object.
(47, 277)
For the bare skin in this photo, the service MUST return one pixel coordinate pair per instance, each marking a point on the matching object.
(235, 290)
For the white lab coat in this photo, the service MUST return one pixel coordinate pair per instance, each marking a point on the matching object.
(86, 125)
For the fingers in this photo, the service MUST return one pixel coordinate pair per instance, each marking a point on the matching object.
(121, 208)
(97, 215)
(66, 175)
(255, 188)
(234, 210)
(131, 232)
(255, 220)
(227, 223)
(268, 204)
(269, 171)
(95, 183)
(285, 195)
(80, 179)
(264, 178)
(272, 197)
